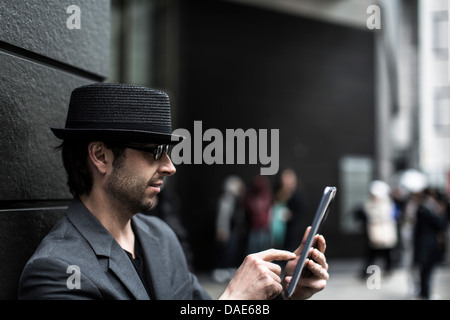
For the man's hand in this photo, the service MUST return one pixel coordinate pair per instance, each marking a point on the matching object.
(315, 276)
(258, 278)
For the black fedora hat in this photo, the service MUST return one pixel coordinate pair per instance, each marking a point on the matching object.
(118, 112)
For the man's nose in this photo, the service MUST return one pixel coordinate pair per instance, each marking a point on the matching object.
(166, 166)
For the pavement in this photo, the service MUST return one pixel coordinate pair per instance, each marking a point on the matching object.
(345, 283)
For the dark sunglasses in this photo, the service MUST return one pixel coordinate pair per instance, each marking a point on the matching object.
(157, 151)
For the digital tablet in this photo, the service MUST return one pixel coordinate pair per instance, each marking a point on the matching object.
(319, 218)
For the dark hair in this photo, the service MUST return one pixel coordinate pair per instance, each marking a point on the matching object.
(74, 156)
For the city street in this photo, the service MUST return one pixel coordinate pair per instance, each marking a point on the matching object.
(345, 284)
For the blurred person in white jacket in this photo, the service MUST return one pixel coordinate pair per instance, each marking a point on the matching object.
(378, 214)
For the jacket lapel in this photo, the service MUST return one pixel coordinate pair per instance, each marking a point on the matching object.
(155, 268)
(105, 245)
(120, 264)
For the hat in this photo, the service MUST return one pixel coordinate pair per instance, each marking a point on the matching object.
(118, 112)
(380, 189)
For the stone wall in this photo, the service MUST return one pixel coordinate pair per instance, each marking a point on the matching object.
(43, 57)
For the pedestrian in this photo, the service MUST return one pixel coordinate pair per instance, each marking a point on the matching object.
(378, 215)
(291, 193)
(115, 151)
(231, 229)
(279, 218)
(258, 205)
(429, 237)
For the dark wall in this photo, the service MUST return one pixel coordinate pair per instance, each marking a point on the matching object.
(243, 67)
(42, 61)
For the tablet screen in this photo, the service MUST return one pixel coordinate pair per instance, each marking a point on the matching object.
(319, 218)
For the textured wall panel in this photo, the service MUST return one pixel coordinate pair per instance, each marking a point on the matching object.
(41, 62)
(32, 98)
(41, 27)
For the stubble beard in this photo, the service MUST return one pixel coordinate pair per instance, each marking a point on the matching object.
(129, 190)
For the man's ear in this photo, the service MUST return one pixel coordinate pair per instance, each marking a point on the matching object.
(98, 156)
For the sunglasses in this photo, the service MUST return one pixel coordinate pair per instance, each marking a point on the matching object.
(157, 151)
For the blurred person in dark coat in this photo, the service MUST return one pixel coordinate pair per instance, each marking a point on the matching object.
(231, 229)
(429, 239)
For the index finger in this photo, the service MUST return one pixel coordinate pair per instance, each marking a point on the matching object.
(275, 255)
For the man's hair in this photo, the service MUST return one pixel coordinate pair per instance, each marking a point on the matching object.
(75, 160)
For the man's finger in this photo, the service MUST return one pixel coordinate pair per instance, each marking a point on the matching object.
(275, 255)
(321, 244)
(273, 267)
(318, 257)
(317, 270)
(302, 244)
(275, 275)
(305, 236)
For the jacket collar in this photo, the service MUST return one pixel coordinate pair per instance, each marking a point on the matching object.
(103, 244)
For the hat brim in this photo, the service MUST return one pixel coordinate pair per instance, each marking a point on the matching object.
(118, 135)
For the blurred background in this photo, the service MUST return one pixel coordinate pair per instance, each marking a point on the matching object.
(357, 94)
(358, 89)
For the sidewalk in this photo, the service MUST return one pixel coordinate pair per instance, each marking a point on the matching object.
(345, 284)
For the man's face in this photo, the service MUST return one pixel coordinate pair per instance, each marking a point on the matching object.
(137, 178)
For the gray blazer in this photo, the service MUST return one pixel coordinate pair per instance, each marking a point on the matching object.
(79, 259)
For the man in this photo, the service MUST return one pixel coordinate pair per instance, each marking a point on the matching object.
(114, 150)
